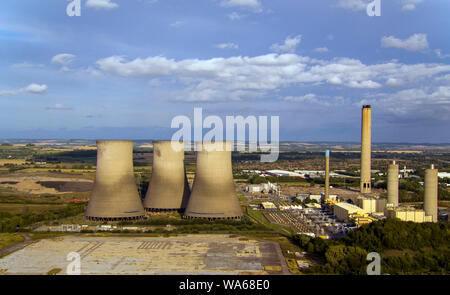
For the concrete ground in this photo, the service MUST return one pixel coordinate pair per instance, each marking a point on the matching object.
(183, 254)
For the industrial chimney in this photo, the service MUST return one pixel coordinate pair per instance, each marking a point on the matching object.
(327, 174)
(213, 193)
(169, 189)
(115, 195)
(392, 184)
(366, 129)
(430, 200)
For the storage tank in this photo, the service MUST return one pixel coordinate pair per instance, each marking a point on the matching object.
(392, 184)
(169, 188)
(430, 200)
(114, 195)
(213, 193)
(366, 149)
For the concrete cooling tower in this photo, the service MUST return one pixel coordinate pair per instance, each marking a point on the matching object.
(213, 193)
(392, 184)
(366, 149)
(115, 195)
(169, 189)
(430, 200)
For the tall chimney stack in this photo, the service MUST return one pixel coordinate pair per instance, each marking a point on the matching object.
(327, 174)
(430, 200)
(366, 149)
(392, 184)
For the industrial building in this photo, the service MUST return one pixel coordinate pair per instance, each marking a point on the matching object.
(263, 187)
(279, 173)
(343, 211)
(213, 193)
(169, 188)
(371, 204)
(268, 205)
(407, 214)
(115, 195)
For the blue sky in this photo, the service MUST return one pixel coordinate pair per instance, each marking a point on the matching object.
(124, 69)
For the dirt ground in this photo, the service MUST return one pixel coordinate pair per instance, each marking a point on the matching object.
(30, 184)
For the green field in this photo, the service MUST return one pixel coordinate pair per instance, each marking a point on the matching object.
(7, 240)
(29, 208)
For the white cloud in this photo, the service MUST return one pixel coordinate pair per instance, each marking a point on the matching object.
(241, 77)
(313, 99)
(321, 49)
(427, 102)
(310, 97)
(227, 46)
(417, 42)
(290, 45)
(32, 88)
(353, 5)
(440, 54)
(394, 82)
(177, 24)
(27, 65)
(236, 16)
(59, 107)
(410, 4)
(35, 88)
(254, 5)
(63, 60)
(101, 4)
(361, 5)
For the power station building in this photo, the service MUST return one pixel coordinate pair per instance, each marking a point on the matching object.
(344, 211)
(366, 149)
(169, 188)
(115, 195)
(404, 213)
(407, 214)
(213, 194)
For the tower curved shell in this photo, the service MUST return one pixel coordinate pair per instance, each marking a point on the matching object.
(213, 193)
(114, 195)
(168, 189)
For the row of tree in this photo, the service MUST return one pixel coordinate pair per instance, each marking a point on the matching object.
(405, 248)
(12, 223)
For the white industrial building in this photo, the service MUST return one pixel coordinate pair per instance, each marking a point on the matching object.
(283, 173)
(370, 204)
(343, 210)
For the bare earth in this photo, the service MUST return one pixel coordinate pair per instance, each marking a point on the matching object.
(28, 184)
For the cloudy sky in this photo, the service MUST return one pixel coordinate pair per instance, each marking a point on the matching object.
(125, 68)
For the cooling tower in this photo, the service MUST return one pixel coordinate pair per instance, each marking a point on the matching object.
(430, 200)
(327, 174)
(169, 189)
(213, 193)
(366, 128)
(115, 195)
(392, 184)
